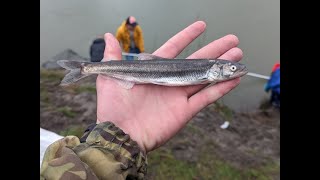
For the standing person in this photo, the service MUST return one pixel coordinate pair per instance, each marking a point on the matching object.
(130, 36)
(97, 49)
(274, 85)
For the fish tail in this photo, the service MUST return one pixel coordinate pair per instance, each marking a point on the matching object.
(75, 73)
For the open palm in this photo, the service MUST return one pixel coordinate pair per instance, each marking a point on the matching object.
(152, 114)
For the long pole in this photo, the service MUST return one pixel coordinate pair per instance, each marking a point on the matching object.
(258, 75)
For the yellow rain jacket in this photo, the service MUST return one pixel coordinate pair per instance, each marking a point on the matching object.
(123, 37)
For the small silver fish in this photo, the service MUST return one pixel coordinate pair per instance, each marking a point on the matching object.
(151, 69)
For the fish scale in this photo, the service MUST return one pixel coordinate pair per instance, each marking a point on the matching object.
(153, 68)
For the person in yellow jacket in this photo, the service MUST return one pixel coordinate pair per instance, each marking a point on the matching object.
(130, 36)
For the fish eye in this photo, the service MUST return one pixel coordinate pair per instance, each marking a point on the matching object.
(233, 68)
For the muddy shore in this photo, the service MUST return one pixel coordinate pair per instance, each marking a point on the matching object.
(248, 149)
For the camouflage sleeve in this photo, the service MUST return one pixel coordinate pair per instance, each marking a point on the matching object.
(104, 152)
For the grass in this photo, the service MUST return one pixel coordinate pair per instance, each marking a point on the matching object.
(44, 96)
(194, 129)
(67, 111)
(75, 130)
(77, 89)
(55, 76)
(51, 75)
(85, 88)
(224, 111)
(213, 168)
(163, 165)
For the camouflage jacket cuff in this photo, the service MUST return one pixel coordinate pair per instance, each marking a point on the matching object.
(105, 152)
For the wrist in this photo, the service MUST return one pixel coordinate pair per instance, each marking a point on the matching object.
(127, 130)
(107, 136)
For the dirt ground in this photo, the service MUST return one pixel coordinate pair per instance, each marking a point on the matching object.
(252, 140)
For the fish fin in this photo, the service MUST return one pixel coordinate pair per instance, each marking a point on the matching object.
(70, 65)
(122, 83)
(125, 84)
(209, 84)
(72, 77)
(75, 71)
(146, 56)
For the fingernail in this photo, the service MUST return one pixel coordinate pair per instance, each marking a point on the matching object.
(203, 24)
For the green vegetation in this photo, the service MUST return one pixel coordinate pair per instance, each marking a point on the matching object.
(223, 110)
(51, 75)
(163, 165)
(85, 88)
(44, 96)
(73, 130)
(194, 129)
(55, 76)
(67, 111)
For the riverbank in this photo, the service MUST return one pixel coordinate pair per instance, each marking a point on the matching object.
(248, 149)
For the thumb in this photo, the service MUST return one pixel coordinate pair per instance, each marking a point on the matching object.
(112, 50)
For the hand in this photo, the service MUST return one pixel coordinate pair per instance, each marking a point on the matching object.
(152, 114)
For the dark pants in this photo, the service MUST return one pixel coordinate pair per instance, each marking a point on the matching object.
(275, 99)
(134, 51)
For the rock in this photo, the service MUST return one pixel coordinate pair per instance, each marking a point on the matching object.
(67, 54)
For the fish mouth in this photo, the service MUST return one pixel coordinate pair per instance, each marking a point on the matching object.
(244, 70)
